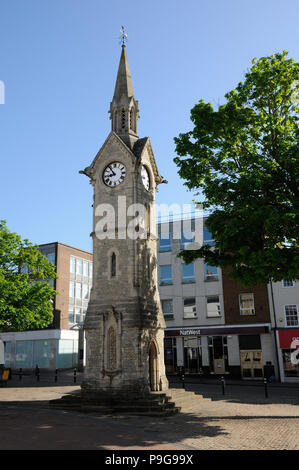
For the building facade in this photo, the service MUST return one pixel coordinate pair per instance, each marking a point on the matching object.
(214, 326)
(60, 345)
(284, 307)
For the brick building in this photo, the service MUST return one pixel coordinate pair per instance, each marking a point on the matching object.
(58, 345)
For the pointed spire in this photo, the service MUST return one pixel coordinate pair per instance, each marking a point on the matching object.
(124, 110)
(123, 86)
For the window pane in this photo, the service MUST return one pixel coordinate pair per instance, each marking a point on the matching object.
(73, 265)
(291, 315)
(166, 274)
(79, 265)
(213, 307)
(51, 257)
(189, 308)
(186, 237)
(167, 306)
(246, 304)
(85, 292)
(287, 283)
(90, 270)
(78, 290)
(72, 289)
(165, 242)
(71, 315)
(188, 272)
(85, 268)
(77, 315)
(207, 237)
(211, 273)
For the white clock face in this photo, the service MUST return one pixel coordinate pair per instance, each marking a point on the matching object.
(145, 178)
(114, 174)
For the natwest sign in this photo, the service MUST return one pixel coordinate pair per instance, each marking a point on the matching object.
(289, 339)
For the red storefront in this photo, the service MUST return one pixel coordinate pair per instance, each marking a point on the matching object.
(289, 346)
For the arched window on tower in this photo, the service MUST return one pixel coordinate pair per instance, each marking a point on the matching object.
(123, 119)
(132, 120)
(111, 348)
(113, 265)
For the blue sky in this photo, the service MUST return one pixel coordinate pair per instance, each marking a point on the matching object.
(58, 61)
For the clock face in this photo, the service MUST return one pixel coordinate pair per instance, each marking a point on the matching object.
(114, 174)
(145, 178)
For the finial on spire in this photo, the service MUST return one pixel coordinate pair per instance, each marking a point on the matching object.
(123, 37)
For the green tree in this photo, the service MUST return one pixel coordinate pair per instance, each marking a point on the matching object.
(25, 294)
(243, 159)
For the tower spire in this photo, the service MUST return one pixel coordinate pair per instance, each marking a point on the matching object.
(124, 108)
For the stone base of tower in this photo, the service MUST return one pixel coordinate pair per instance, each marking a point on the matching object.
(122, 401)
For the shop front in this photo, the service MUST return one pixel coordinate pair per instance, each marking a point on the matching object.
(289, 354)
(239, 352)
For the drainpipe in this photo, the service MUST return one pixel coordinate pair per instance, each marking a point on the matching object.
(275, 331)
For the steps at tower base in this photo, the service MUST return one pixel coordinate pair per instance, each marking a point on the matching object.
(167, 403)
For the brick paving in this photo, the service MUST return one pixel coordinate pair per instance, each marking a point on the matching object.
(242, 419)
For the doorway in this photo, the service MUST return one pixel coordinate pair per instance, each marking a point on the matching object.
(192, 355)
(252, 364)
(153, 367)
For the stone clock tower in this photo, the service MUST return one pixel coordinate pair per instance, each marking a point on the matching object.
(124, 325)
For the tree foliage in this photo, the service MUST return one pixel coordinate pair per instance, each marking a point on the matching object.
(243, 157)
(25, 294)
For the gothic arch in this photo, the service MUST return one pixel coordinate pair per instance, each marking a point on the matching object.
(154, 370)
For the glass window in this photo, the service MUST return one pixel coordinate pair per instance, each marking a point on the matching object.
(164, 242)
(186, 238)
(213, 306)
(211, 273)
(290, 362)
(51, 258)
(167, 307)
(246, 302)
(24, 269)
(207, 237)
(85, 292)
(85, 268)
(78, 290)
(73, 265)
(166, 274)
(72, 289)
(189, 308)
(188, 273)
(291, 315)
(79, 266)
(24, 354)
(71, 315)
(287, 283)
(77, 315)
(90, 270)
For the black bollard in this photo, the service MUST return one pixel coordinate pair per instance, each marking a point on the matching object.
(75, 375)
(20, 374)
(266, 387)
(56, 375)
(183, 381)
(223, 385)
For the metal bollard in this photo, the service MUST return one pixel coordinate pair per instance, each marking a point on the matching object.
(183, 381)
(20, 374)
(223, 385)
(37, 373)
(266, 387)
(75, 375)
(56, 375)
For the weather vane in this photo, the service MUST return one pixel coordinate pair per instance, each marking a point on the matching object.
(123, 37)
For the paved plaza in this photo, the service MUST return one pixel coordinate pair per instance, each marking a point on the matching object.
(241, 419)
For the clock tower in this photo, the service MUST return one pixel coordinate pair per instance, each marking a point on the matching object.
(124, 325)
